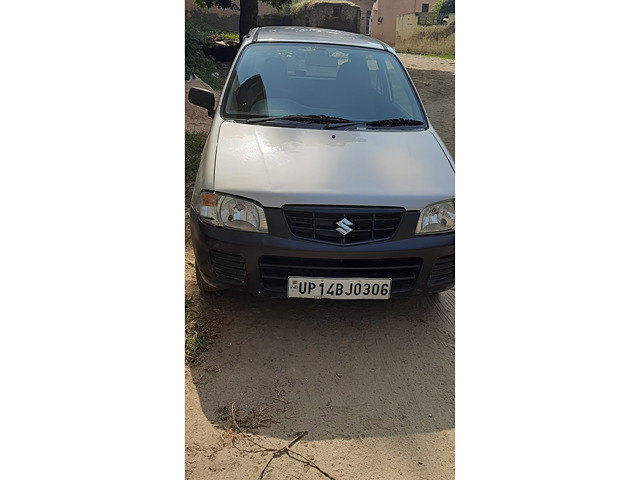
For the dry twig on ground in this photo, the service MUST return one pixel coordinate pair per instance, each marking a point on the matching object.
(276, 452)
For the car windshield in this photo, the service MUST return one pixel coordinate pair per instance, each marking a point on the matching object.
(304, 84)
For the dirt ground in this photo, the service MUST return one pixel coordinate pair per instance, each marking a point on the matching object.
(371, 382)
(435, 80)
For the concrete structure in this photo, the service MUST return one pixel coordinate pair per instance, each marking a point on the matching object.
(366, 9)
(343, 16)
(420, 33)
(384, 15)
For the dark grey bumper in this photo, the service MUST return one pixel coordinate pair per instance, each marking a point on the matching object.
(260, 263)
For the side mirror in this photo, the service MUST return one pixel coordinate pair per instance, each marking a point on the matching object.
(202, 98)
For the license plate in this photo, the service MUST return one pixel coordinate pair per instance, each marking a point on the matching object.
(340, 288)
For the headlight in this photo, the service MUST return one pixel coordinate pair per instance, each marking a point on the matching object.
(231, 212)
(437, 218)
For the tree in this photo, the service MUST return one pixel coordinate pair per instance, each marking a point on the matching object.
(449, 6)
(248, 10)
(444, 7)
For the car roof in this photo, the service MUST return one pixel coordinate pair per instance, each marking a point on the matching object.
(313, 35)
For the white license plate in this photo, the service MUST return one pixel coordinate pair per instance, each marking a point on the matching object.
(340, 288)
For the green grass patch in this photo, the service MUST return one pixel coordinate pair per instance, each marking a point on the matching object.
(448, 57)
(195, 36)
(212, 73)
(205, 70)
(193, 146)
(194, 339)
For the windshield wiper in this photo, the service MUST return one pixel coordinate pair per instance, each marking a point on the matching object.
(394, 122)
(345, 124)
(390, 122)
(301, 119)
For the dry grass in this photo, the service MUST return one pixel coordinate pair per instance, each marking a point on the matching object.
(433, 40)
(249, 420)
(243, 419)
(194, 339)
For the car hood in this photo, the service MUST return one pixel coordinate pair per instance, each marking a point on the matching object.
(279, 166)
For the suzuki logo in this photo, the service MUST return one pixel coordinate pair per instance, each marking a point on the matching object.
(343, 226)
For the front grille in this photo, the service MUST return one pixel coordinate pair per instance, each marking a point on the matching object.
(275, 271)
(443, 272)
(321, 223)
(229, 267)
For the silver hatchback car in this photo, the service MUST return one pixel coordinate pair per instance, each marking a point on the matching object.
(321, 176)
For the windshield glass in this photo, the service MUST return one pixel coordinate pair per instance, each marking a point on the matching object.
(301, 79)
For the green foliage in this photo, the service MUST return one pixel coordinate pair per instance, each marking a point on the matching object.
(193, 37)
(194, 339)
(224, 4)
(193, 146)
(298, 5)
(448, 57)
(205, 69)
(448, 6)
(196, 31)
(438, 6)
(188, 302)
(248, 10)
(444, 7)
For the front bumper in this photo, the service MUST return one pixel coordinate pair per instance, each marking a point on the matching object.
(260, 263)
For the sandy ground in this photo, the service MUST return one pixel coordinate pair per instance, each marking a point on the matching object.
(371, 382)
(435, 80)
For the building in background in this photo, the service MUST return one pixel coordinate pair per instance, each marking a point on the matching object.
(376, 18)
(337, 15)
(384, 14)
(366, 7)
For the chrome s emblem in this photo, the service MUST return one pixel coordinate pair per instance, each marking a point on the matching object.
(343, 226)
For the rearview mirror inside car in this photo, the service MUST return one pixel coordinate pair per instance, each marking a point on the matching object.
(202, 98)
